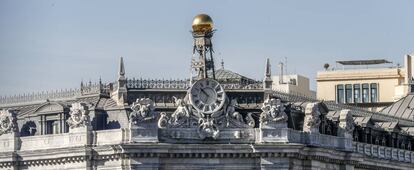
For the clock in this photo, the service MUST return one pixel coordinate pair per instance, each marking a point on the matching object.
(207, 96)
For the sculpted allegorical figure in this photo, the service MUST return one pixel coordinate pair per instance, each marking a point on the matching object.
(142, 110)
(79, 116)
(8, 122)
(231, 111)
(273, 110)
(250, 121)
(182, 113)
(207, 129)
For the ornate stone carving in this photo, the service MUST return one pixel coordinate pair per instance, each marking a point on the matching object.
(79, 116)
(312, 120)
(182, 113)
(346, 124)
(8, 122)
(250, 121)
(142, 110)
(231, 111)
(179, 118)
(273, 111)
(208, 129)
(163, 121)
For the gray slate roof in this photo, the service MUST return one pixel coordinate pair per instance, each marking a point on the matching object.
(403, 108)
(223, 74)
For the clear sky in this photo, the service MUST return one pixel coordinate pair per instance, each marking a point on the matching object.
(55, 44)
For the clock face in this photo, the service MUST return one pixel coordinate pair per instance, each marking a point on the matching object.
(207, 96)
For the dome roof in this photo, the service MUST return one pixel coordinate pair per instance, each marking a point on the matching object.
(202, 23)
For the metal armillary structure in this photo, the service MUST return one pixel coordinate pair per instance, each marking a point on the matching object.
(202, 46)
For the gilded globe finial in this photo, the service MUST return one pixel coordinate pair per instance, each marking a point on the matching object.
(202, 23)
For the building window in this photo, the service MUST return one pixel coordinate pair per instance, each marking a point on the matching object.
(340, 93)
(357, 93)
(348, 93)
(374, 90)
(52, 127)
(365, 93)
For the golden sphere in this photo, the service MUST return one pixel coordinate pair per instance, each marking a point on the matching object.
(202, 23)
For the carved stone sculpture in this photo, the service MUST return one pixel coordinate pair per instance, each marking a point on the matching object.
(273, 111)
(182, 113)
(163, 121)
(8, 122)
(312, 118)
(142, 110)
(231, 111)
(346, 124)
(250, 121)
(208, 129)
(79, 116)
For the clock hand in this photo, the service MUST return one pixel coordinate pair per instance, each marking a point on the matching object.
(205, 93)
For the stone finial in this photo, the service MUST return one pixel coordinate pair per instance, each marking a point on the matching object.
(346, 124)
(267, 82)
(142, 110)
(273, 113)
(79, 116)
(121, 68)
(8, 122)
(268, 71)
(312, 118)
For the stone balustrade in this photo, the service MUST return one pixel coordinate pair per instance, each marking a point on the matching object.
(286, 135)
(384, 152)
(281, 135)
(54, 141)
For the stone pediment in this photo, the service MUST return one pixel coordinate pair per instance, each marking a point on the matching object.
(50, 107)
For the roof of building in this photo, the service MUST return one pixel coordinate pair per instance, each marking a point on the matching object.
(223, 74)
(363, 62)
(403, 108)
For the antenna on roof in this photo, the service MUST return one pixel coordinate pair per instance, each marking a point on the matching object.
(222, 63)
(286, 64)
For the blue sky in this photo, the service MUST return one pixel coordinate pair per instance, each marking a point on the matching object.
(55, 44)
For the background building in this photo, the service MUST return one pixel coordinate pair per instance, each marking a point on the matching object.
(365, 83)
(293, 84)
